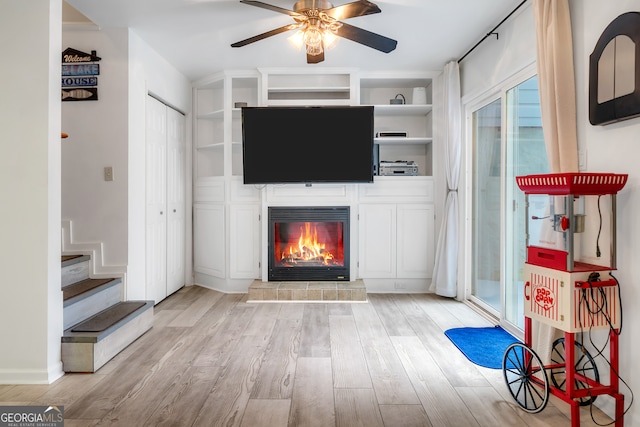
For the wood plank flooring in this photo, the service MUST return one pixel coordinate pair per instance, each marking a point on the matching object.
(213, 359)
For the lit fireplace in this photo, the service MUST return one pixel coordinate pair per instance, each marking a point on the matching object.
(308, 243)
(310, 248)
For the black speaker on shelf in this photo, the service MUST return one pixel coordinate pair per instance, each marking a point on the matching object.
(376, 159)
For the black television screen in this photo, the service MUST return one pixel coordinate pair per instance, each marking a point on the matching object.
(307, 144)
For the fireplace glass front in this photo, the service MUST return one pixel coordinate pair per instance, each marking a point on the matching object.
(309, 243)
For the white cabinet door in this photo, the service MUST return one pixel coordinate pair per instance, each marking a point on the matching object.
(396, 241)
(209, 239)
(165, 200)
(244, 241)
(377, 229)
(175, 200)
(415, 228)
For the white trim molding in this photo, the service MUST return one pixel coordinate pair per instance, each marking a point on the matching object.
(31, 376)
(97, 268)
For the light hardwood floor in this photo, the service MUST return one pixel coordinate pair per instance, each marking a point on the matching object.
(213, 359)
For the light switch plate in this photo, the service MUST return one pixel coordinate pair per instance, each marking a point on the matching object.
(108, 173)
(582, 160)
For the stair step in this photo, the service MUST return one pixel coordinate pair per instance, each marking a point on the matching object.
(89, 297)
(104, 335)
(107, 318)
(74, 268)
(73, 259)
(86, 288)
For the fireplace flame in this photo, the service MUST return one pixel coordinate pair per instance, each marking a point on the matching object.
(308, 248)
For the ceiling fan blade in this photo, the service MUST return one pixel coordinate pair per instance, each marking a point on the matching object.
(314, 59)
(270, 7)
(265, 35)
(367, 38)
(351, 10)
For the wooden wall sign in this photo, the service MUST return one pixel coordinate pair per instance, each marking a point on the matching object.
(79, 81)
(80, 69)
(80, 94)
(79, 75)
(614, 72)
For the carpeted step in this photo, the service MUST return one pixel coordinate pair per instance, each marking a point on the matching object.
(90, 344)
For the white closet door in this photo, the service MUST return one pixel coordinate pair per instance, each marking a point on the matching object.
(175, 200)
(156, 178)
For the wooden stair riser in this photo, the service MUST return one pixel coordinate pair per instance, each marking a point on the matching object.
(75, 272)
(91, 305)
(82, 356)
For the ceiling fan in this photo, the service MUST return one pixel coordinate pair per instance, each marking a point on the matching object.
(319, 24)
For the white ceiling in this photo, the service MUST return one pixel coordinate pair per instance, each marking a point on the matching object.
(195, 35)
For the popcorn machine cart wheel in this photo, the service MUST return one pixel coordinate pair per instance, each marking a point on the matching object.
(568, 292)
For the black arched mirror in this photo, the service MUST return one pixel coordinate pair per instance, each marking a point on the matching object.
(614, 72)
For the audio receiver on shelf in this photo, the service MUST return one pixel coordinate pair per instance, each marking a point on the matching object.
(391, 134)
(399, 167)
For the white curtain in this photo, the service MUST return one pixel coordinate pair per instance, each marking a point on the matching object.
(558, 106)
(556, 83)
(444, 281)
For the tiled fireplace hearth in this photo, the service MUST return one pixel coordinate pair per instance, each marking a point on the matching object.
(354, 291)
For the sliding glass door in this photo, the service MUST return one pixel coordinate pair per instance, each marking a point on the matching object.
(525, 155)
(487, 173)
(507, 142)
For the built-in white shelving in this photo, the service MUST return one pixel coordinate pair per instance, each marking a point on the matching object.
(414, 119)
(402, 140)
(227, 212)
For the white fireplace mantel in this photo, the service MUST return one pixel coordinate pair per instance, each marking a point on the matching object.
(311, 195)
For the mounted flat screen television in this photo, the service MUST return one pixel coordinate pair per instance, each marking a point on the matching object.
(329, 144)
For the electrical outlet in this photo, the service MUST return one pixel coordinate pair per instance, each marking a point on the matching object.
(108, 173)
(399, 285)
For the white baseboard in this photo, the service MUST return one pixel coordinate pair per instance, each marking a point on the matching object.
(31, 376)
(227, 286)
(97, 269)
(397, 286)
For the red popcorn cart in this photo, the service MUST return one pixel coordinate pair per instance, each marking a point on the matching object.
(568, 285)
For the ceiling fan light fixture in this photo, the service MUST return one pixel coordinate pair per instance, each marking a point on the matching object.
(314, 50)
(297, 39)
(329, 39)
(313, 39)
(319, 25)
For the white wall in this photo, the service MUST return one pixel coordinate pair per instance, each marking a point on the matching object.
(612, 148)
(497, 59)
(98, 137)
(111, 132)
(30, 296)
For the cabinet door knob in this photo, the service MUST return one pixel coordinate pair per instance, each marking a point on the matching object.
(174, 211)
(161, 212)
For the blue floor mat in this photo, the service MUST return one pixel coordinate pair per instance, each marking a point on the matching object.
(482, 346)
